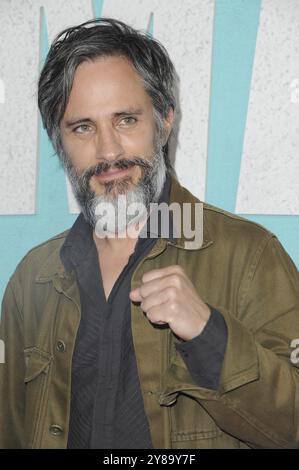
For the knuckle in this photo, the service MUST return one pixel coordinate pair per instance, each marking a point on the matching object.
(176, 280)
(151, 315)
(178, 268)
(171, 292)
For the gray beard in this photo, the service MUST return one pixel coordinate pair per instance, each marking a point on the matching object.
(146, 191)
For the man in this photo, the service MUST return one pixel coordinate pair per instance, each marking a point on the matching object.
(117, 341)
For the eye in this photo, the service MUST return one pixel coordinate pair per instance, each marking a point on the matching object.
(82, 129)
(128, 120)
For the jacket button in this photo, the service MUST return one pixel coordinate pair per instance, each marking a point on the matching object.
(60, 346)
(56, 430)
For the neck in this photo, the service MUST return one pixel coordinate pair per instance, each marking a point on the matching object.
(123, 242)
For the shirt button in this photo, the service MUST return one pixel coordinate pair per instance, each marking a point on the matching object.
(60, 346)
(56, 430)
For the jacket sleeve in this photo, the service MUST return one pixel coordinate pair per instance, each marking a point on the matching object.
(12, 389)
(258, 396)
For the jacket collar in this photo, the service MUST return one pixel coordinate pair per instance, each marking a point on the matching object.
(181, 195)
(54, 268)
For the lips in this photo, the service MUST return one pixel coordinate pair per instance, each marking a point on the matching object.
(113, 173)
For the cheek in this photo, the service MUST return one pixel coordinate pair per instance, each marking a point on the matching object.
(139, 144)
(80, 152)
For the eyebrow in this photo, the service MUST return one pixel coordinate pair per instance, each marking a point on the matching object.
(126, 112)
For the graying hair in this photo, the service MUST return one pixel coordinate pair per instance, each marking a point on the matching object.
(100, 38)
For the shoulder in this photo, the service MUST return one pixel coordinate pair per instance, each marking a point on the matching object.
(46, 253)
(223, 229)
(218, 220)
(235, 235)
(46, 248)
(232, 225)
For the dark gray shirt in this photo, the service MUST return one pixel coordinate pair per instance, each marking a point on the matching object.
(107, 410)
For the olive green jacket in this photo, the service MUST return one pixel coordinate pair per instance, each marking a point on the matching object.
(241, 269)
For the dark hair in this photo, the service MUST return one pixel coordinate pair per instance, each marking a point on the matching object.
(99, 38)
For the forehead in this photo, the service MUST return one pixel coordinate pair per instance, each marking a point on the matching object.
(105, 84)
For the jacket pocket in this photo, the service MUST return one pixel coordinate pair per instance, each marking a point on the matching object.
(36, 388)
(192, 426)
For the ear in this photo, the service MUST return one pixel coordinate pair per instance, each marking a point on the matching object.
(168, 123)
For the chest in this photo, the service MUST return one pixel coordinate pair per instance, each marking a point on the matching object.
(111, 267)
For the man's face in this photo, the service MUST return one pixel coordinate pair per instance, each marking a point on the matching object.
(108, 119)
(110, 138)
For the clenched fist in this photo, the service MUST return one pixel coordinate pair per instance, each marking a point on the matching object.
(168, 296)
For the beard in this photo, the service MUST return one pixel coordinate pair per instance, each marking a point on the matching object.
(119, 194)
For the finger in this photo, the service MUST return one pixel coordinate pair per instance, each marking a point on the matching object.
(154, 300)
(157, 285)
(135, 295)
(158, 273)
(155, 314)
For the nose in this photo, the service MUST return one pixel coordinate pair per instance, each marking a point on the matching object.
(108, 145)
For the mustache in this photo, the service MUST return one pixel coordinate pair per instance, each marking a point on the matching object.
(118, 164)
